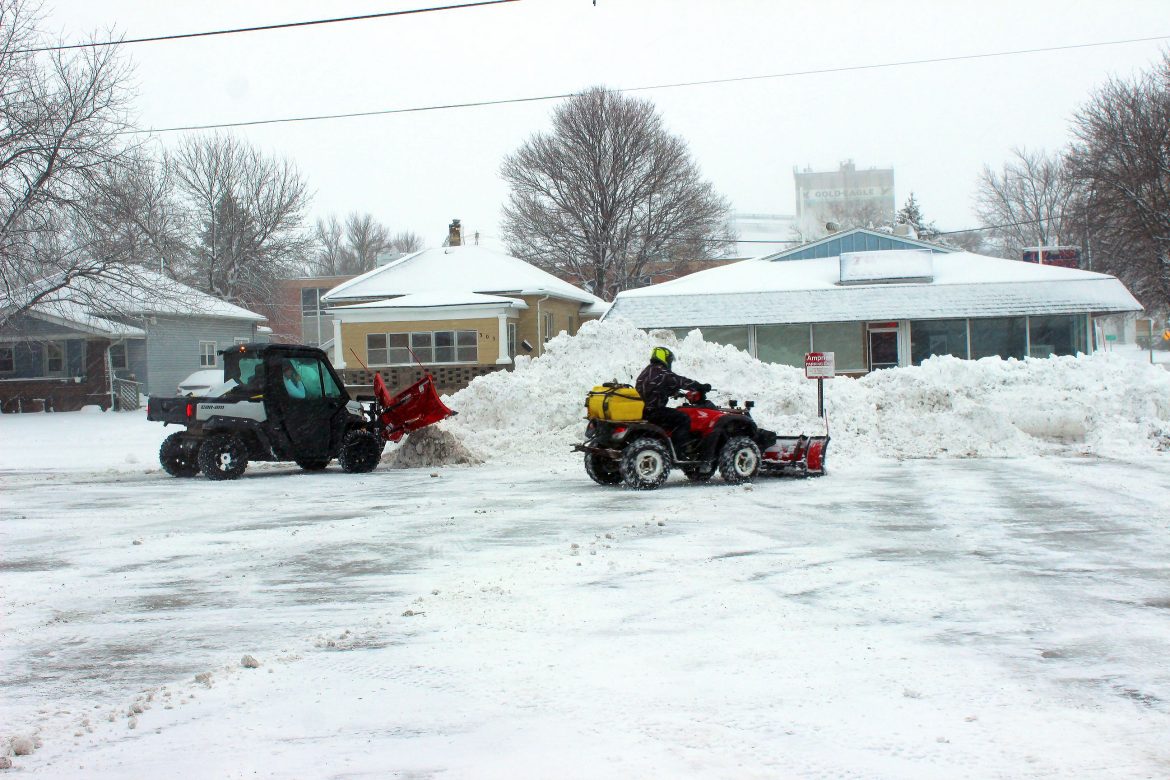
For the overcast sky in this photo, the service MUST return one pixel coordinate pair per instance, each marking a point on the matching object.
(935, 124)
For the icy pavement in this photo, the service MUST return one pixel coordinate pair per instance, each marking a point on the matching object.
(916, 618)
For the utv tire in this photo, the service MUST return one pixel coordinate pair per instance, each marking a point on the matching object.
(175, 461)
(603, 470)
(739, 460)
(360, 452)
(645, 464)
(223, 456)
(313, 464)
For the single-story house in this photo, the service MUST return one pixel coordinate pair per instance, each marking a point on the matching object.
(461, 311)
(877, 300)
(107, 342)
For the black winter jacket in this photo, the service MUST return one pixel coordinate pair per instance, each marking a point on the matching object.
(657, 384)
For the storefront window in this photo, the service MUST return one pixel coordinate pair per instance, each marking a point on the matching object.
(845, 340)
(736, 335)
(1054, 336)
(783, 344)
(937, 337)
(1004, 336)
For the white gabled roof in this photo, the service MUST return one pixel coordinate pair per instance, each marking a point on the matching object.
(761, 291)
(472, 268)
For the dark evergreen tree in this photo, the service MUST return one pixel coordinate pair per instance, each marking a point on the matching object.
(911, 214)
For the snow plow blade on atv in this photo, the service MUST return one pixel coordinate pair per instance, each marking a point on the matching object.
(796, 456)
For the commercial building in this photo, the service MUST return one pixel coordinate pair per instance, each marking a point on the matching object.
(878, 300)
(846, 195)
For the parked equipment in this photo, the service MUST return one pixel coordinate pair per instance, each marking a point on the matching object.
(284, 402)
(726, 439)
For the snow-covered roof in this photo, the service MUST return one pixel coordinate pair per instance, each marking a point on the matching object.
(596, 309)
(429, 300)
(472, 268)
(761, 291)
(71, 315)
(135, 292)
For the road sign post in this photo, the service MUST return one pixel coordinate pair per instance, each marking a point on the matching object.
(820, 366)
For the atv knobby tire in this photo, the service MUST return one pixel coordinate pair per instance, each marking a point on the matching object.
(603, 470)
(175, 461)
(223, 456)
(739, 460)
(645, 464)
(360, 452)
(313, 464)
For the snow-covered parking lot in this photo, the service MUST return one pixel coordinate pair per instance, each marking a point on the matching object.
(979, 588)
(914, 618)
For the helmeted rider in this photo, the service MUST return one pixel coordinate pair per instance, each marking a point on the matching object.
(657, 384)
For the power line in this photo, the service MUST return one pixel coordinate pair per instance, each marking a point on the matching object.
(265, 27)
(675, 85)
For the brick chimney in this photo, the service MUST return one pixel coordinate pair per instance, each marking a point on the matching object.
(454, 234)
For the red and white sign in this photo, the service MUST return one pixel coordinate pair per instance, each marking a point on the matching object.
(819, 365)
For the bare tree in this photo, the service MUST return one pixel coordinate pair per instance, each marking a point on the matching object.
(406, 241)
(352, 248)
(367, 238)
(1121, 158)
(244, 214)
(607, 192)
(1030, 202)
(60, 120)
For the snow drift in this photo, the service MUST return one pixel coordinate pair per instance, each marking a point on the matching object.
(1100, 404)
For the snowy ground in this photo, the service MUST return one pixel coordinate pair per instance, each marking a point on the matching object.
(993, 617)
(977, 589)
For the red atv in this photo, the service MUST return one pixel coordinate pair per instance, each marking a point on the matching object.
(641, 454)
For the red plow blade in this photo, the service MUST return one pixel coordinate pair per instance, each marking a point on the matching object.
(415, 407)
(798, 456)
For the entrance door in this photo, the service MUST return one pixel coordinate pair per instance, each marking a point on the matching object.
(883, 349)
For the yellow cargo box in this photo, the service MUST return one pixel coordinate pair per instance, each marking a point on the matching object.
(614, 402)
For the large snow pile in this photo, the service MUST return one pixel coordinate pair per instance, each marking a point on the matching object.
(1100, 404)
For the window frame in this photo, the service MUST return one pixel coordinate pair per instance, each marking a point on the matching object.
(513, 339)
(205, 356)
(45, 358)
(10, 350)
(406, 347)
(119, 348)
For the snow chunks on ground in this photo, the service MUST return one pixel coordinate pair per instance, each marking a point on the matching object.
(431, 446)
(1099, 404)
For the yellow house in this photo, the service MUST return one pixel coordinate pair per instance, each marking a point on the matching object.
(460, 311)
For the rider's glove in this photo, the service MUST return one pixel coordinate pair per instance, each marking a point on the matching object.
(704, 388)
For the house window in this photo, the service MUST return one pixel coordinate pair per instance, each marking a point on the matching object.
(376, 349)
(442, 346)
(466, 346)
(422, 344)
(7, 360)
(54, 358)
(548, 326)
(511, 339)
(311, 300)
(207, 354)
(118, 356)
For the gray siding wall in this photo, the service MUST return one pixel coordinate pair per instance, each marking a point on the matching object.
(172, 348)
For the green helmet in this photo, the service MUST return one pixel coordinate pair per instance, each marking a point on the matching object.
(663, 356)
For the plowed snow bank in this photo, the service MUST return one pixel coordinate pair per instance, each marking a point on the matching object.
(1100, 404)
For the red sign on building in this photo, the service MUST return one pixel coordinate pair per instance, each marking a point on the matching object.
(820, 365)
